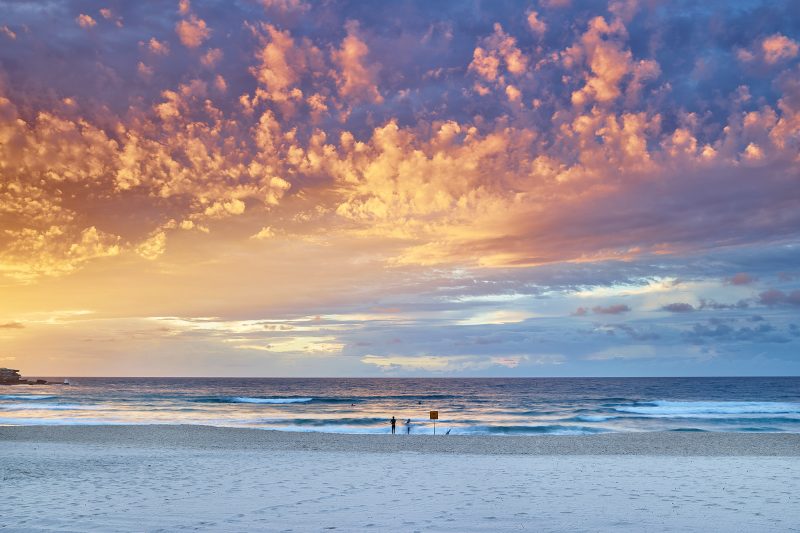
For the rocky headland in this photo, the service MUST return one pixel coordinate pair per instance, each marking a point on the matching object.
(10, 376)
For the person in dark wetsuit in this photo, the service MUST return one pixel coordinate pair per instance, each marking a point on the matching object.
(408, 427)
(394, 423)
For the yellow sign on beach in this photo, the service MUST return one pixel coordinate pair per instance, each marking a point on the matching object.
(434, 415)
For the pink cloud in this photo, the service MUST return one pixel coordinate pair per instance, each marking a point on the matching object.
(355, 77)
(497, 56)
(211, 58)
(192, 32)
(615, 309)
(85, 21)
(775, 297)
(742, 278)
(157, 47)
(537, 26)
(779, 48)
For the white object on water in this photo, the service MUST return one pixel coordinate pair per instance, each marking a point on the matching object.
(66, 382)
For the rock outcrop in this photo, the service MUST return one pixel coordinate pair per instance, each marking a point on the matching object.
(9, 376)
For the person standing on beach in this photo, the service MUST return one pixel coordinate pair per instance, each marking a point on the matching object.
(394, 423)
(408, 427)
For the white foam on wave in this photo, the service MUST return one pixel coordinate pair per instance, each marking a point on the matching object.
(592, 418)
(25, 396)
(245, 399)
(576, 431)
(677, 409)
(48, 407)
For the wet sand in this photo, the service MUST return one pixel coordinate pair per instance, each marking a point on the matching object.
(151, 478)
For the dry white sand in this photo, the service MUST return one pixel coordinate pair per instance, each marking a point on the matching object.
(150, 478)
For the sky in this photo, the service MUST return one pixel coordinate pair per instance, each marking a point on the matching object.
(458, 188)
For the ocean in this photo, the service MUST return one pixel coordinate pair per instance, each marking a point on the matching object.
(524, 406)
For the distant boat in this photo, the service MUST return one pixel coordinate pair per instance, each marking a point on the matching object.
(66, 382)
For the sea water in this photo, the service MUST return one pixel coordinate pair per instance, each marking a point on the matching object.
(558, 406)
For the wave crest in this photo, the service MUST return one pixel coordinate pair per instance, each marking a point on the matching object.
(676, 409)
(26, 396)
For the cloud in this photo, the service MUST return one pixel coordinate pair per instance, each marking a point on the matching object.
(109, 15)
(12, 325)
(499, 50)
(741, 278)
(623, 353)
(615, 309)
(355, 77)
(426, 363)
(85, 21)
(145, 71)
(8, 32)
(637, 334)
(775, 297)
(712, 304)
(772, 50)
(211, 58)
(285, 6)
(154, 246)
(284, 64)
(717, 330)
(498, 60)
(778, 47)
(298, 345)
(602, 49)
(264, 233)
(157, 47)
(54, 251)
(537, 26)
(679, 307)
(192, 32)
(455, 363)
(556, 3)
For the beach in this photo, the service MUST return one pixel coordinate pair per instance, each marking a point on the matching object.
(167, 478)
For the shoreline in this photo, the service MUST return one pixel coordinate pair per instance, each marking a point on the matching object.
(688, 444)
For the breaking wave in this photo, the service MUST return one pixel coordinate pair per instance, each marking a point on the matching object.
(248, 399)
(693, 409)
(25, 396)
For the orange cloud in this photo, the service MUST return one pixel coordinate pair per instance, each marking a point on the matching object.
(779, 48)
(211, 58)
(192, 31)
(601, 47)
(157, 47)
(85, 21)
(281, 62)
(495, 52)
(536, 25)
(356, 79)
(285, 6)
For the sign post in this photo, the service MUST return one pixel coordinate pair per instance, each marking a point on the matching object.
(434, 417)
